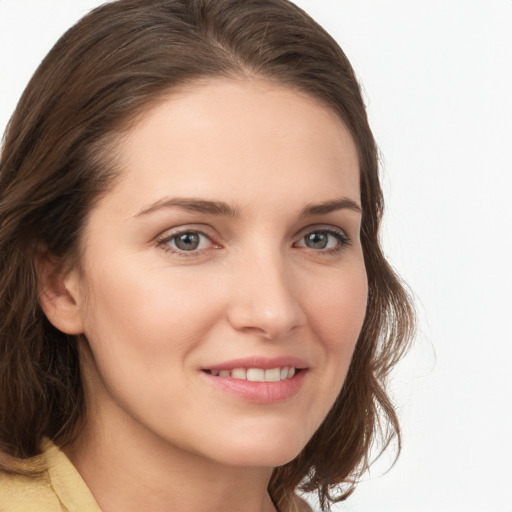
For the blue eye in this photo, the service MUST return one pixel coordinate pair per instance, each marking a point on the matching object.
(187, 241)
(323, 240)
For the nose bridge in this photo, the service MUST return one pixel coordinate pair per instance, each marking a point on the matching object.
(265, 299)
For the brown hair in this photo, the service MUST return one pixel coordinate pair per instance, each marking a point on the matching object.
(103, 72)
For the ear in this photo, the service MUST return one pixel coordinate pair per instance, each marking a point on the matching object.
(59, 293)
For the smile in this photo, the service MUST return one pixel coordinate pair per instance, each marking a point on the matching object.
(256, 374)
(258, 379)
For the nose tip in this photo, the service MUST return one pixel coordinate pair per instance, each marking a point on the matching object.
(266, 303)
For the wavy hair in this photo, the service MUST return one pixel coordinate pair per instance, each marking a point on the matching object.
(106, 70)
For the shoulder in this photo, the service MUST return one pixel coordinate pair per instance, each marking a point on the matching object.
(46, 483)
(20, 493)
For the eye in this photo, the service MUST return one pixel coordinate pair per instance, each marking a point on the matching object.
(328, 240)
(186, 241)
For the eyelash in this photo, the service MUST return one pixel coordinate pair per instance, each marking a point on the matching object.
(166, 240)
(342, 238)
(339, 235)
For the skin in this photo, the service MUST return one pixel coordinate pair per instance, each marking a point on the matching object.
(158, 435)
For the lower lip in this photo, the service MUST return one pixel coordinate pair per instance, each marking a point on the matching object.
(259, 392)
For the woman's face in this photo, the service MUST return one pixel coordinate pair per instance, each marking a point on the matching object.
(223, 287)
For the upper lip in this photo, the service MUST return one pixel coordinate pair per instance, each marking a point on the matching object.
(265, 363)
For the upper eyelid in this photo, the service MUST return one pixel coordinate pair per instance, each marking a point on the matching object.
(170, 236)
(197, 228)
(322, 227)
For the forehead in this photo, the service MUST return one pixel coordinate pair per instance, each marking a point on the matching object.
(249, 138)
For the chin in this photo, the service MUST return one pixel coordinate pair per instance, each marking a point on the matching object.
(265, 451)
(259, 459)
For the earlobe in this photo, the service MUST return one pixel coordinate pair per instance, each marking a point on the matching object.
(58, 293)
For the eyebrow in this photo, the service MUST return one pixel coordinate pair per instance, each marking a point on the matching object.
(223, 209)
(331, 206)
(191, 205)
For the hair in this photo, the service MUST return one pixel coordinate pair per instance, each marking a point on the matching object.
(105, 71)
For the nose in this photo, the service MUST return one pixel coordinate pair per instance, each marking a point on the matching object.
(265, 298)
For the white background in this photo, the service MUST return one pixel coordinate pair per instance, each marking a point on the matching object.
(437, 77)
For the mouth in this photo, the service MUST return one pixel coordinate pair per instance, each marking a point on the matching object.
(256, 379)
(257, 374)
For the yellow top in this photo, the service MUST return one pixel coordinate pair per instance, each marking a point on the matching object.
(59, 488)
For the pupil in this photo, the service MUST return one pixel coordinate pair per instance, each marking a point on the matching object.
(187, 241)
(316, 240)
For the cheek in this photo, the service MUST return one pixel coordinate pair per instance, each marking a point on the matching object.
(141, 329)
(143, 321)
(337, 309)
(336, 313)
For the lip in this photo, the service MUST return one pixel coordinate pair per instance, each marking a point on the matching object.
(259, 392)
(266, 363)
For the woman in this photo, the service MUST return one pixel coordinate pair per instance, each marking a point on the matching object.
(195, 310)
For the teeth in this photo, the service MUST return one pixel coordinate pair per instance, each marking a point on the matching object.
(257, 374)
(273, 375)
(239, 373)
